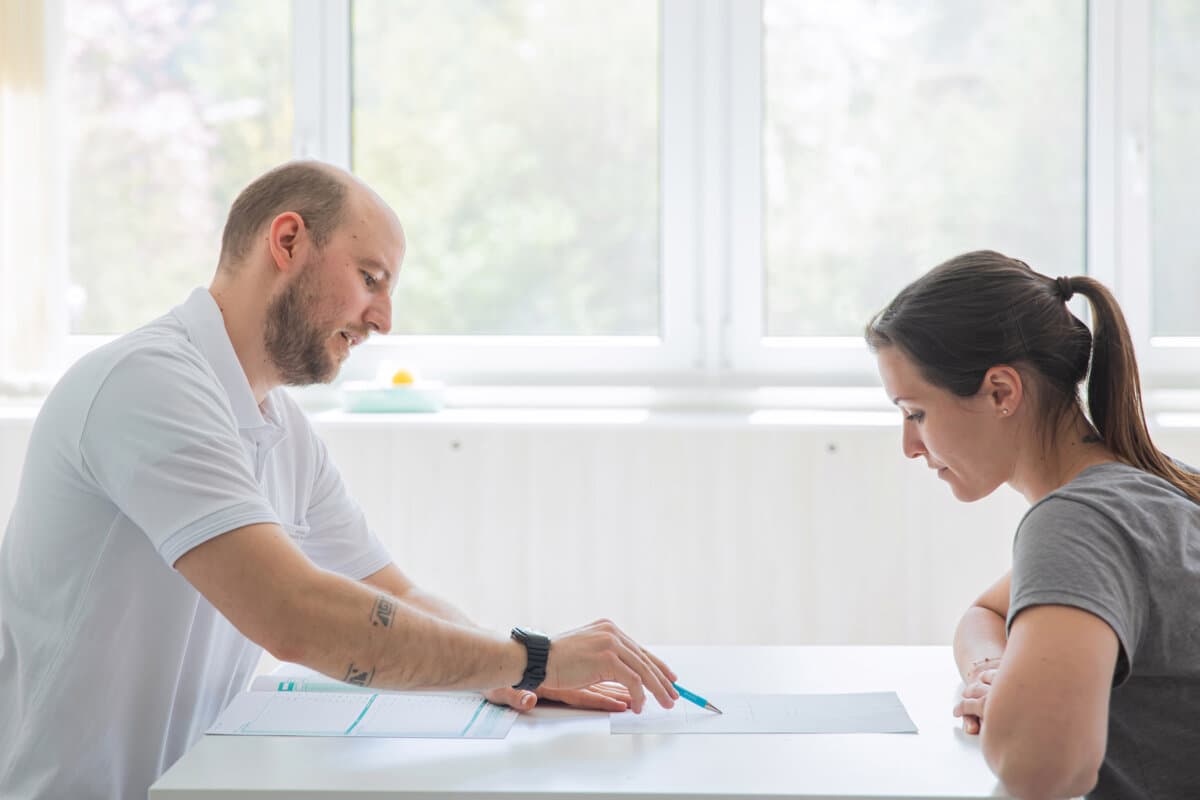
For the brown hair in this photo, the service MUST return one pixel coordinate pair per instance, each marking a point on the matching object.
(311, 189)
(981, 309)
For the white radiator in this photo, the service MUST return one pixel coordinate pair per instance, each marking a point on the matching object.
(682, 535)
(684, 530)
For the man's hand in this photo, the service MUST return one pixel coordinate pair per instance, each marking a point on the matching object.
(600, 697)
(602, 652)
(976, 685)
(584, 659)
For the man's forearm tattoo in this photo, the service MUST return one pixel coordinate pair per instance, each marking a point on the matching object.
(381, 614)
(359, 676)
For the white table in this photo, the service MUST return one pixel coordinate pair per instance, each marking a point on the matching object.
(562, 753)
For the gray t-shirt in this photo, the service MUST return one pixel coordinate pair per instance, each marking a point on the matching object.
(1124, 545)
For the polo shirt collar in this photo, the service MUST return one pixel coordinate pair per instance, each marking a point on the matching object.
(206, 329)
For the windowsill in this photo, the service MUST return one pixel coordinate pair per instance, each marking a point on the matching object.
(615, 406)
(615, 417)
(650, 407)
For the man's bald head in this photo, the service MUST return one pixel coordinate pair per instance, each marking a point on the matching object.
(315, 191)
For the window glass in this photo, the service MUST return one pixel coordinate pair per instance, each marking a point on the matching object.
(518, 142)
(171, 107)
(1175, 167)
(899, 134)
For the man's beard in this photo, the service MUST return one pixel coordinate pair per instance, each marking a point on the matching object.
(295, 342)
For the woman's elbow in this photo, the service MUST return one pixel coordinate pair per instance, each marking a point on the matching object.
(1035, 772)
(1051, 783)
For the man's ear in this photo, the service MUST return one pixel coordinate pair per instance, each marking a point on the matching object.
(285, 238)
(1004, 389)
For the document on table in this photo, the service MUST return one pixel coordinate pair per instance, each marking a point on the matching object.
(397, 715)
(870, 712)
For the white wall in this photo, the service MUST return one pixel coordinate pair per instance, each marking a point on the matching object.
(684, 529)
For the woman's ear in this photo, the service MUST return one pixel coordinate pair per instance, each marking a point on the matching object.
(1004, 390)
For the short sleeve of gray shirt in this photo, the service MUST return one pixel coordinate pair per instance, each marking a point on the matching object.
(1124, 545)
(1072, 552)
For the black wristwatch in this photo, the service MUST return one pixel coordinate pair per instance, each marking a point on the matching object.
(537, 650)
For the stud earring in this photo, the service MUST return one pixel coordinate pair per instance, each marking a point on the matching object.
(1004, 411)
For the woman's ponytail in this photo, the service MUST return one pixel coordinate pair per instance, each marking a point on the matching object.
(1114, 391)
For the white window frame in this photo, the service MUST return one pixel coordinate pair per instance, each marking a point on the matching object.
(1165, 361)
(322, 99)
(54, 273)
(838, 360)
(711, 213)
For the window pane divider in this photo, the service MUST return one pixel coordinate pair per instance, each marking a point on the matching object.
(321, 88)
(1132, 133)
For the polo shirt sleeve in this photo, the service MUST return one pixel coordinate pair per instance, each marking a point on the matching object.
(160, 441)
(1072, 554)
(339, 538)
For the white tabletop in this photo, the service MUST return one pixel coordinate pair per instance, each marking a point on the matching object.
(563, 753)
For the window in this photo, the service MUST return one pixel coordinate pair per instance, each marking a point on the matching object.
(167, 108)
(896, 135)
(619, 192)
(524, 166)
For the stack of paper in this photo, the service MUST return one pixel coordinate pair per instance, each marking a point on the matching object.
(278, 706)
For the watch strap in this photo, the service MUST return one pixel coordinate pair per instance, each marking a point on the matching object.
(537, 652)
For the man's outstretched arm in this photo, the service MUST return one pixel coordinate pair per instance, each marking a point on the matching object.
(392, 580)
(601, 697)
(349, 630)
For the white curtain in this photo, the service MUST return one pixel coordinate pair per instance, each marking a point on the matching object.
(27, 189)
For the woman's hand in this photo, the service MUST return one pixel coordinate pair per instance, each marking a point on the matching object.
(975, 690)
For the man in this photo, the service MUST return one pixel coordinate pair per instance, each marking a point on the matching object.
(177, 513)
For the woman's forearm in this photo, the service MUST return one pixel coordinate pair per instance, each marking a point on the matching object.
(979, 640)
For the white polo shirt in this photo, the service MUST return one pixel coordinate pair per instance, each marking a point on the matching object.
(111, 664)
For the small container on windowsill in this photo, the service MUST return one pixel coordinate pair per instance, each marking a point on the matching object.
(368, 397)
(395, 392)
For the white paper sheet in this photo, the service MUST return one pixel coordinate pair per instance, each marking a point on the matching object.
(406, 715)
(869, 712)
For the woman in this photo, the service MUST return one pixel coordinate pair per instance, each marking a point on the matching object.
(1081, 667)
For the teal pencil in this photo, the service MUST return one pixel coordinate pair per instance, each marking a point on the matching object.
(695, 698)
